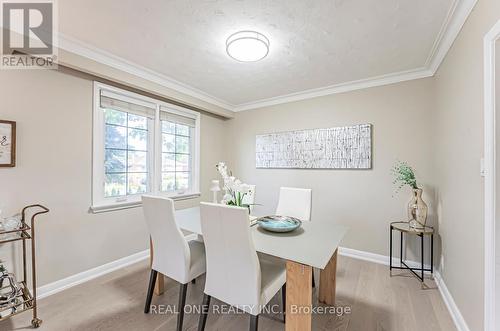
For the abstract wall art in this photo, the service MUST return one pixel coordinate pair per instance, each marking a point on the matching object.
(347, 147)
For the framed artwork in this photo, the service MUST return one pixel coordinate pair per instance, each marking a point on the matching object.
(7, 143)
(347, 147)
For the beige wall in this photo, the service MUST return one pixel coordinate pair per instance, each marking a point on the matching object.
(459, 148)
(53, 111)
(364, 200)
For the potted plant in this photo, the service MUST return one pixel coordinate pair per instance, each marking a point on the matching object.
(404, 175)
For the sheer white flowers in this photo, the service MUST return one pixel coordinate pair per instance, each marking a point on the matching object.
(234, 189)
(222, 169)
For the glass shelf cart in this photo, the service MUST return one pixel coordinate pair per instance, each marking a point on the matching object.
(23, 298)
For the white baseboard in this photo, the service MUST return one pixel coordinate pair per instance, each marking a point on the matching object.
(457, 317)
(450, 304)
(376, 258)
(365, 256)
(82, 277)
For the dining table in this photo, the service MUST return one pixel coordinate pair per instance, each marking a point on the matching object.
(313, 245)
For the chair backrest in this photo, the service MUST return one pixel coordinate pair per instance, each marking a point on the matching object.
(249, 198)
(233, 269)
(171, 254)
(295, 202)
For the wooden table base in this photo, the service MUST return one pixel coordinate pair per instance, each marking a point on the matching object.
(298, 297)
(327, 282)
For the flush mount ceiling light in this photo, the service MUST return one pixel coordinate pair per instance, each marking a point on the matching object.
(247, 46)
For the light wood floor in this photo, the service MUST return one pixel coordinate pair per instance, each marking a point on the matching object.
(115, 302)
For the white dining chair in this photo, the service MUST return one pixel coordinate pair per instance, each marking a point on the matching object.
(174, 256)
(249, 199)
(235, 274)
(295, 202)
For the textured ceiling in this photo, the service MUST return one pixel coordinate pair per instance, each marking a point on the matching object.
(313, 43)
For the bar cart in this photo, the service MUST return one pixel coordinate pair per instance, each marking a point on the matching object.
(20, 299)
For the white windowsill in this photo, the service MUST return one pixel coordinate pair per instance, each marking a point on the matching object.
(134, 204)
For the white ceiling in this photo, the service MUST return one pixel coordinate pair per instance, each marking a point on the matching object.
(314, 44)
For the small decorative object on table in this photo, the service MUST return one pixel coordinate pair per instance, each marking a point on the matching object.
(279, 223)
(234, 189)
(417, 208)
(214, 188)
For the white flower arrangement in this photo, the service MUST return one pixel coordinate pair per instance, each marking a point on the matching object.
(234, 189)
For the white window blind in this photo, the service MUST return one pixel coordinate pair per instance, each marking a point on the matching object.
(123, 103)
(171, 115)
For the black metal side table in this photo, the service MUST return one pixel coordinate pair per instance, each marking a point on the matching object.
(404, 228)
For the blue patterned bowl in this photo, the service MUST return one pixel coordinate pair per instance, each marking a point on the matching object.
(279, 223)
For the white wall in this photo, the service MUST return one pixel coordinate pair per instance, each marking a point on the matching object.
(53, 111)
(364, 200)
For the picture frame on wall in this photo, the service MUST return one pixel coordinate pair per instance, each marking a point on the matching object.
(7, 143)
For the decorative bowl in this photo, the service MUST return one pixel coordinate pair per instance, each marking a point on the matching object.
(279, 223)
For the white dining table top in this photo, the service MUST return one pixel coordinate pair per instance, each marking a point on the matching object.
(312, 244)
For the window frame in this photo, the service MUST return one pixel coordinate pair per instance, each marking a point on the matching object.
(100, 203)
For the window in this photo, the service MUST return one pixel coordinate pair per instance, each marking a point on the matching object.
(141, 145)
(177, 134)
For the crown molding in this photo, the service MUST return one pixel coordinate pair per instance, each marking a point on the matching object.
(339, 88)
(80, 48)
(455, 19)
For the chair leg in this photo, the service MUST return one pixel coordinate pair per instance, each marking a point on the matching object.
(204, 312)
(182, 303)
(254, 322)
(313, 282)
(151, 287)
(283, 301)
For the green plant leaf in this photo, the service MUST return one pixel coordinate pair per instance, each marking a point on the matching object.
(403, 175)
